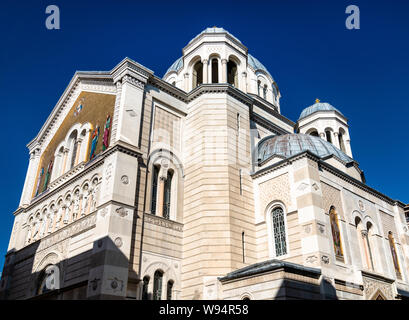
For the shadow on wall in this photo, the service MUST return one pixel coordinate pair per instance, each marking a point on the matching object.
(299, 290)
(100, 273)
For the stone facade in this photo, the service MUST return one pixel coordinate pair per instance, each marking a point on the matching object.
(171, 199)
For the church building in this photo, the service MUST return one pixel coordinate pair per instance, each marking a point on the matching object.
(194, 186)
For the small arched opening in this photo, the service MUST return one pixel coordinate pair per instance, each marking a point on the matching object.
(232, 73)
(197, 74)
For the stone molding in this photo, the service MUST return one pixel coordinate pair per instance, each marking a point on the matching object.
(329, 168)
(372, 284)
(159, 221)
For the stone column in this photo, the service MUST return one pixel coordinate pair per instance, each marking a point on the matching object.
(186, 81)
(224, 71)
(243, 84)
(64, 161)
(205, 69)
(77, 156)
(30, 181)
(335, 140)
(112, 260)
(322, 136)
(161, 194)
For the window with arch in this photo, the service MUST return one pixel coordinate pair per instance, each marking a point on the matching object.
(48, 279)
(370, 244)
(258, 86)
(73, 146)
(279, 232)
(363, 242)
(155, 176)
(341, 141)
(336, 234)
(314, 133)
(169, 290)
(215, 70)
(167, 195)
(265, 92)
(197, 74)
(145, 295)
(232, 73)
(394, 254)
(157, 285)
(328, 136)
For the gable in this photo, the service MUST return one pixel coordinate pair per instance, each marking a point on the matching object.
(95, 109)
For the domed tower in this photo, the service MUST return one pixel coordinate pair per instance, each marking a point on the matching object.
(325, 121)
(216, 56)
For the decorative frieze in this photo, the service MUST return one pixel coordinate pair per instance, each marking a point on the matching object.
(73, 229)
(372, 286)
(163, 222)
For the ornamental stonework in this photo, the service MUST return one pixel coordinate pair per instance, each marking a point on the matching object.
(371, 287)
(275, 189)
(76, 227)
(163, 222)
(332, 197)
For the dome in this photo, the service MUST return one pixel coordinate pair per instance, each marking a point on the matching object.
(215, 30)
(292, 144)
(176, 66)
(257, 65)
(317, 106)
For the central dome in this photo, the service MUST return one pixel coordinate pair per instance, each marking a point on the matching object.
(318, 106)
(292, 144)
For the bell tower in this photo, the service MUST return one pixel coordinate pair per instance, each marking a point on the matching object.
(323, 120)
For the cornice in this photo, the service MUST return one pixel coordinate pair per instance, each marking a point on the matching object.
(168, 88)
(270, 108)
(267, 124)
(322, 165)
(130, 67)
(87, 167)
(68, 93)
(225, 34)
(220, 88)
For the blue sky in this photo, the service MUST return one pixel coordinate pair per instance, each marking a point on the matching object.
(304, 44)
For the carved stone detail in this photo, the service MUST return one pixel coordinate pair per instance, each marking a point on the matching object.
(371, 286)
(163, 222)
(122, 212)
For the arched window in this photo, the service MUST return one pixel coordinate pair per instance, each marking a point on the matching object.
(278, 228)
(336, 234)
(369, 237)
(169, 290)
(341, 141)
(48, 279)
(145, 288)
(157, 285)
(167, 195)
(215, 71)
(394, 254)
(73, 144)
(362, 234)
(314, 133)
(328, 135)
(197, 74)
(154, 188)
(265, 91)
(258, 86)
(232, 73)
